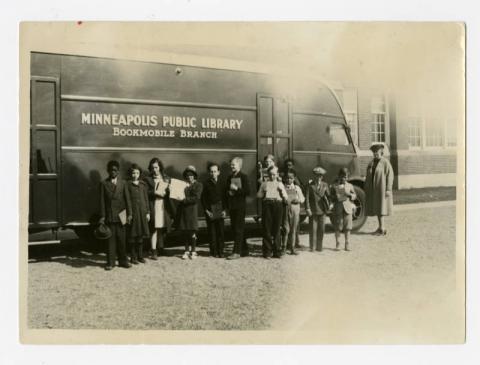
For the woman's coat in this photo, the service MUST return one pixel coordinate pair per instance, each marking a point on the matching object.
(377, 183)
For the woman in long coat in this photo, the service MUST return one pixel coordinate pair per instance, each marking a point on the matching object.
(161, 211)
(186, 219)
(378, 188)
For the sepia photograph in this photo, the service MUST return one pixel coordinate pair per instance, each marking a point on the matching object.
(242, 182)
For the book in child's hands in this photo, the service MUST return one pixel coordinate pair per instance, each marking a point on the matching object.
(123, 217)
(177, 189)
(217, 210)
(340, 192)
(272, 190)
(237, 182)
(292, 194)
(160, 187)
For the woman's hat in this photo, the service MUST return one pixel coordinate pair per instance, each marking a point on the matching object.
(377, 146)
(102, 232)
(190, 169)
(319, 171)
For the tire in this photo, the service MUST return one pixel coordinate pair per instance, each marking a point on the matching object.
(88, 240)
(359, 218)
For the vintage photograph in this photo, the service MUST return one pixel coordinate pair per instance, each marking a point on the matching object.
(282, 182)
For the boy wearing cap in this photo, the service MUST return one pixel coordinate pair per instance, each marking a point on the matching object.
(114, 203)
(316, 205)
(343, 195)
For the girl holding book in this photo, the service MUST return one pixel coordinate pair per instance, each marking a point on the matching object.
(187, 214)
(160, 208)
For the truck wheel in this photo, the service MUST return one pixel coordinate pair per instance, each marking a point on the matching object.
(85, 234)
(359, 218)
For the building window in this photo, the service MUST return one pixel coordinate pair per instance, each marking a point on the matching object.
(378, 119)
(451, 132)
(415, 132)
(378, 128)
(434, 132)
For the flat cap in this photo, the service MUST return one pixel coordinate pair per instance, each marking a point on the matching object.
(319, 171)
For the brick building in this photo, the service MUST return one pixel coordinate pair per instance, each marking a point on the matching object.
(420, 133)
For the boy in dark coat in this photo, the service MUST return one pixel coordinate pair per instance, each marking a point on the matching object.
(238, 188)
(214, 204)
(316, 209)
(115, 201)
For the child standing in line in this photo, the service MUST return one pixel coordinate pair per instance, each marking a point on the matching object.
(273, 195)
(187, 214)
(316, 205)
(237, 191)
(214, 204)
(292, 212)
(114, 202)
(343, 195)
(161, 209)
(138, 229)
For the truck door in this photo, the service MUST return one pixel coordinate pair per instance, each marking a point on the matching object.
(44, 208)
(274, 127)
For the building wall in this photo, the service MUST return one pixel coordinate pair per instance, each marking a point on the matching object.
(414, 166)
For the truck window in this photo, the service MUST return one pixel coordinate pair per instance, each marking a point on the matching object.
(324, 134)
(337, 134)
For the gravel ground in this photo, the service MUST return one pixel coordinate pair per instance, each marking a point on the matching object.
(403, 280)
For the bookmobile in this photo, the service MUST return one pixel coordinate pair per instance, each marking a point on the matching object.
(85, 111)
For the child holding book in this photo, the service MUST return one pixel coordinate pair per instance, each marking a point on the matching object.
(187, 214)
(138, 228)
(237, 190)
(161, 212)
(343, 195)
(115, 205)
(292, 213)
(273, 195)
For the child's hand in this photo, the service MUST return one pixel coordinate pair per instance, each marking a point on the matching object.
(224, 214)
(209, 214)
(233, 187)
(148, 217)
(309, 212)
(129, 219)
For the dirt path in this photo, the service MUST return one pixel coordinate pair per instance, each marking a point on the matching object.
(398, 288)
